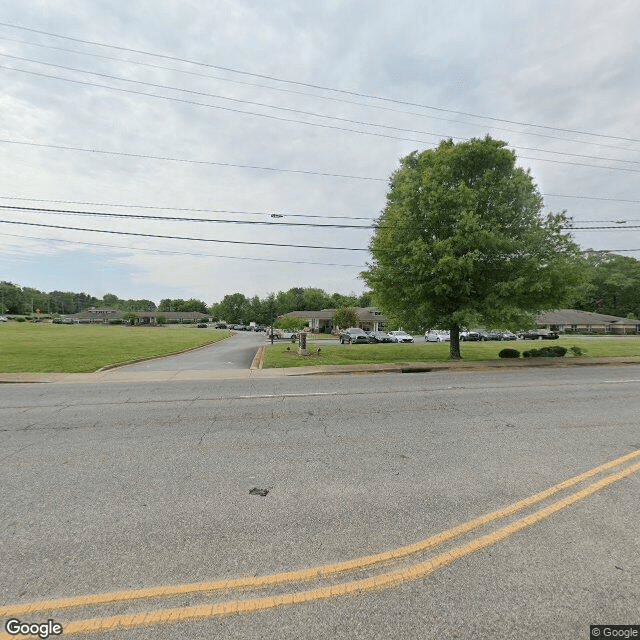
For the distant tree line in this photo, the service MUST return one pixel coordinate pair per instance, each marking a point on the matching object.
(26, 300)
(237, 308)
(612, 287)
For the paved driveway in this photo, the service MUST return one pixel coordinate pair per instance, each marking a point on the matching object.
(233, 353)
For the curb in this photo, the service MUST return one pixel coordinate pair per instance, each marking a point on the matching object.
(460, 365)
(121, 375)
(258, 359)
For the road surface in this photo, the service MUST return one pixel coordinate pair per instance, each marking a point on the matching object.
(121, 487)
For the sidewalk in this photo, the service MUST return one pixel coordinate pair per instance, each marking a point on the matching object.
(122, 375)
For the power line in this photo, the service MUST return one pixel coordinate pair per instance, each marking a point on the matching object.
(268, 106)
(183, 219)
(618, 228)
(307, 94)
(310, 85)
(278, 214)
(166, 237)
(213, 106)
(183, 253)
(312, 95)
(187, 160)
(276, 169)
(131, 216)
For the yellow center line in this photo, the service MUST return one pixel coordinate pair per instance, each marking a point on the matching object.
(355, 586)
(311, 573)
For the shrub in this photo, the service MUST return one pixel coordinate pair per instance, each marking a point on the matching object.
(19, 319)
(545, 352)
(577, 351)
(509, 353)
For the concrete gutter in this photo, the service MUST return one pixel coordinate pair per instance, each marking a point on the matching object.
(122, 375)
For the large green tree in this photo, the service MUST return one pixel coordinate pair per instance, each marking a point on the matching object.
(614, 285)
(462, 240)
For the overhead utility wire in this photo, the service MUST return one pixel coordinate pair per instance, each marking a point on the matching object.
(188, 160)
(307, 84)
(315, 95)
(153, 235)
(184, 219)
(270, 116)
(182, 253)
(300, 171)
(273, 213)
(278, 214)
(132, 216)
(312, 114)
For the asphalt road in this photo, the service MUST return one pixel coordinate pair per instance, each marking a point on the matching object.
(115, 487)
(236, 352)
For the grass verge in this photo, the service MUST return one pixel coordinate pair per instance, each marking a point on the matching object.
(278, 356)
(44, 347)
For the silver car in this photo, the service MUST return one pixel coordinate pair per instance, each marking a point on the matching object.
(437, 336)
(400, 336)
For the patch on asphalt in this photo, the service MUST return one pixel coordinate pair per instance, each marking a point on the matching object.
(258, 492)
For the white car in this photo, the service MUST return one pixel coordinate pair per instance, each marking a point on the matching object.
(400, 336)
(3, 319)
(437, 336)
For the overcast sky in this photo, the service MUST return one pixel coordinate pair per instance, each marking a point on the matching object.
(286, 88)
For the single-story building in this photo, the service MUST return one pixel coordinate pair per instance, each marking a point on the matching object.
(105, 316)
(576, 320)
(369, 319)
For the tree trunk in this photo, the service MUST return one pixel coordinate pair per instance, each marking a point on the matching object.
(454, 345)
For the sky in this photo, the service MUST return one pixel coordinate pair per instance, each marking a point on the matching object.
(290, 112)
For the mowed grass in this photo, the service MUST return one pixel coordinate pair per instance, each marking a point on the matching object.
(46, 347)
(277, 356)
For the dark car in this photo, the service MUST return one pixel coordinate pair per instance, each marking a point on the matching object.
(540, 334)
(379, 336)
(495, 335)
(471, 336)
(353, 334)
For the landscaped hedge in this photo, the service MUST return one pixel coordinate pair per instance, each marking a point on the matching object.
(545, 352)
(509, 353)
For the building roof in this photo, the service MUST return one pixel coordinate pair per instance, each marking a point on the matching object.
(576, 316)
(116, 314)
(365, 314)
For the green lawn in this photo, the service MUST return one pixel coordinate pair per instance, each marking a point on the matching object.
(278, 356)
(75, 348)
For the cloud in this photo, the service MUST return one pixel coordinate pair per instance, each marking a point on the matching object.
(546, 64)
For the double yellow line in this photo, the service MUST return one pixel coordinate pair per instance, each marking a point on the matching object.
(382, 580)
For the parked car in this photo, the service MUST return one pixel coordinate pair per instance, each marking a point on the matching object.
(353, 334)
(470, 336)
(379, 336)
(437, 336)
(539, 334)
(3, 319)
(508, 335)
(495, 335)
(400, 336)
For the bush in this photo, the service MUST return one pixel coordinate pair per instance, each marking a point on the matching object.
(577, 351)
(545, 352)
(19, 319)
(509, 353)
